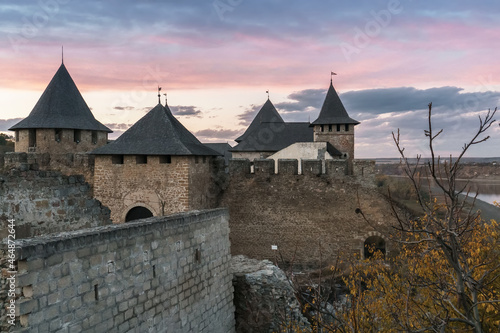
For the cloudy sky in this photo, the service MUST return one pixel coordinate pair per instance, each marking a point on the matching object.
(215, 59)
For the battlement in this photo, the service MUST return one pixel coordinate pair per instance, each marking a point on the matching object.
(67, 163)
(362, 169)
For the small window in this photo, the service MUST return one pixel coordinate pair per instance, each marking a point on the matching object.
(196, 159)
(204, 159)
(330, 128)
(117, 159)
(322, 128)
(338, 127)
(346, 127)
(94, 137)
(32, 137)
(165, 159)
(17, 136)
(77, 136)
(141, 159)
(58, 134)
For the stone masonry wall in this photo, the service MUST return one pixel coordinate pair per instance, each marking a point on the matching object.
(66, 163)
(163, 188)
(168, 274)
(304, 215)
(160, 187)
(45, 202)
(46, 141)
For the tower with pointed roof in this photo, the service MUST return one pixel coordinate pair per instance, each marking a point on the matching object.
(269, 133)
(335, 126)
(61, 122)
(157, 167)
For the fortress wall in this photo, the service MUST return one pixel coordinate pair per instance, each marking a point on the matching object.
(168, 274)
(203, 186)
(66, 163)
(303, 213)
(44, 202)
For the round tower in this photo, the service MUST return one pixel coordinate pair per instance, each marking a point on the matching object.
(335, 126)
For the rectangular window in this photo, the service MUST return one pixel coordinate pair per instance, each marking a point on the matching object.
(77, 136)
(58, 134)
(338, 127)
(17, 136)
(330, 128)
(141, 159)
(165, 159)
(117, 159)
(196, 159)
(346, 127)
(204, 159)
(32, 137)
(322, 128)
(94, 137)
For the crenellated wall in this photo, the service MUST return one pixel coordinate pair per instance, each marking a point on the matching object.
(168, 274)
(306, 216)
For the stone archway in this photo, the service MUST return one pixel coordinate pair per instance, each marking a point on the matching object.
(137, 213)
(373, 242)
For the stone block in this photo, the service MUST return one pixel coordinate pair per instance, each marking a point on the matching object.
(336, 167)
(288, 166)
(263, 167)
(312, 167)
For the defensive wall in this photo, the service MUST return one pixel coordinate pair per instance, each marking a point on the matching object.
(318, 214)
(66, 163)
(43, 202)
(162, 274)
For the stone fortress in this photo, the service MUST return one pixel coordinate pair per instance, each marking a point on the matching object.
(137, 233)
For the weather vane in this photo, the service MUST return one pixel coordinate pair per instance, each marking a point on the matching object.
(159, 89)
(267, 92)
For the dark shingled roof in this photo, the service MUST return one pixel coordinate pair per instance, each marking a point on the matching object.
(267, 114)
(61, 106)
(157, 133)
(272, 137)
(222, 148)
(333, 111)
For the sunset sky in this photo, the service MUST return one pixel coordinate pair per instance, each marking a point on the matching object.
(216, 58)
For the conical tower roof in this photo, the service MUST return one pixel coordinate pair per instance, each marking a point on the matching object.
(157, 133)
(333, 111)
(61, 106)
(267, 114)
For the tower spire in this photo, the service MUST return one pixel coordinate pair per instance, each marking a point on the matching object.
(159, 95)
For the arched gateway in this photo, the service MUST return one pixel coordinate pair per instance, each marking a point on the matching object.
(137, 213)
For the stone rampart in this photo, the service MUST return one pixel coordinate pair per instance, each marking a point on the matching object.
(305, 217)
(66, 163)
(168, 274)
(43, 202)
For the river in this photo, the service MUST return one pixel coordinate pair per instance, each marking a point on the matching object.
(488, 191)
